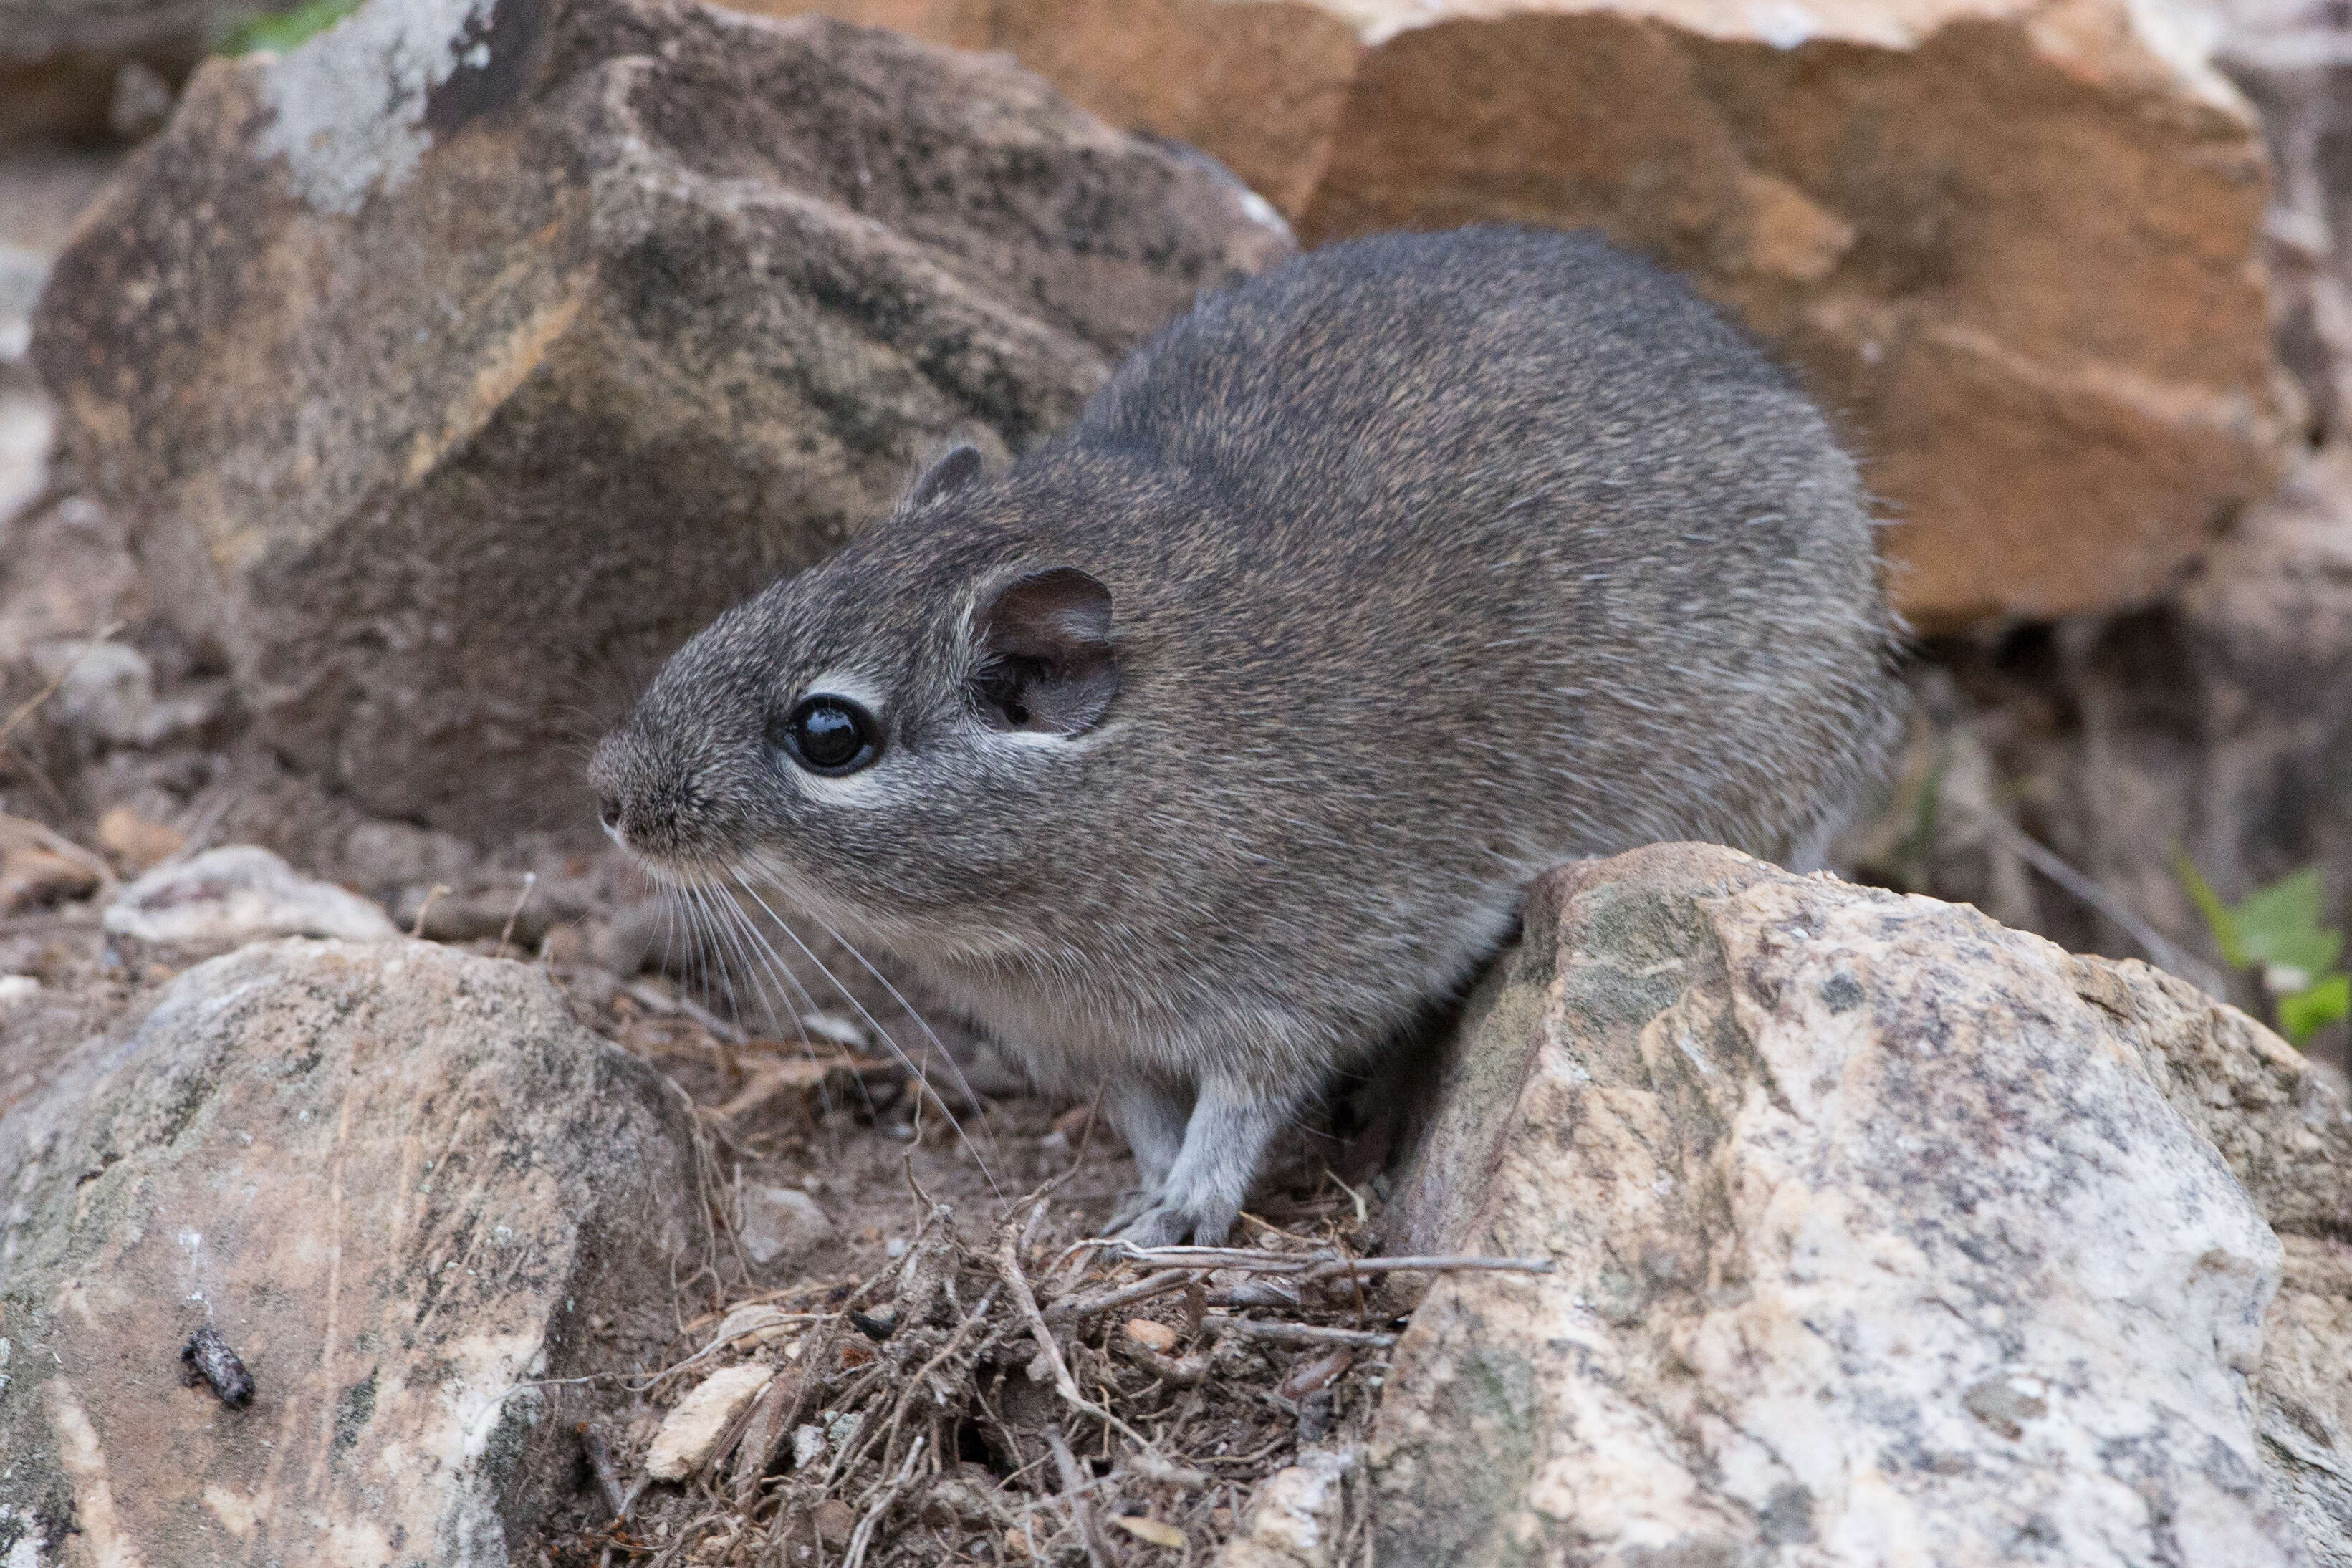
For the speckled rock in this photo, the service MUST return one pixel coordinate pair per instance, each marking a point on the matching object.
(459, 364)
(1884, 1234)
(396, 1181)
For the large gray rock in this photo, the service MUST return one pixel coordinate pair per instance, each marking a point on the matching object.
(1884, 1234)
(459, 364)
(398, 1182)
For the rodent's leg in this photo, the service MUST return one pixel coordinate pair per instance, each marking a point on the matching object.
(1151, 1116)
(1224, 1142)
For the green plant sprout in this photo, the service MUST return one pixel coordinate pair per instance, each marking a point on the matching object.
(2277, 929)
(280, 31)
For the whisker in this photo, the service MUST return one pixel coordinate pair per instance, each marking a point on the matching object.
(904, 1006)
(871, 1022)
(758, 953)
(723, 932)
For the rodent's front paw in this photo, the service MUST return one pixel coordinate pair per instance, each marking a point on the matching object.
(1133, 1203)
(1166, 1221)
(1159, 1224)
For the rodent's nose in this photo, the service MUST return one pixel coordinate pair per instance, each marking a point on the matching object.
(608, 813)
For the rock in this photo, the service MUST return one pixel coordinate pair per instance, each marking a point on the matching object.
(18, 989)
(691, 1431)
(1878, 1228)
(1151, 1335)
(400, 854)
(613, 310)
(2288, 57)
(2287, 1137)
(227, 897)
(780, 1222)
(108, 689)
(136, 842)
(40, 869)
(1971, 225)
(394, 1180)
(1296, 1515)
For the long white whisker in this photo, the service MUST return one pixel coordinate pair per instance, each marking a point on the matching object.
(909, 1008)
(871, 1022)
(760, 954)
(723, 932)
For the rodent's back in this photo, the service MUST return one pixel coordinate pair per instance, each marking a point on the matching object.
(1516, 526)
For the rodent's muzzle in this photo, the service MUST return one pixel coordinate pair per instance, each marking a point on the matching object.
(643, 804)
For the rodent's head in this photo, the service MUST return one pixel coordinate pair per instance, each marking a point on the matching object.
(876, 735)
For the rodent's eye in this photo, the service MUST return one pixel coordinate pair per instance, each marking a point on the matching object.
(831, 736)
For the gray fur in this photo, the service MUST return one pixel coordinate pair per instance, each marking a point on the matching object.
(1432, 562)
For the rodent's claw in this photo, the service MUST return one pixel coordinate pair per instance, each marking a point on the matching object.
(1161, 1220)
(1161, 1224)
(1133, 1203)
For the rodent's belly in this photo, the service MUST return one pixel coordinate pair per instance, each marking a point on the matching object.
(1065, 1044)
(1279, 1023)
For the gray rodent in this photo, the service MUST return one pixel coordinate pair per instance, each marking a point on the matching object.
(1197, 753)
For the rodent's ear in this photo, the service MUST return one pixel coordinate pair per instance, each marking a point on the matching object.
(1046, 662)
(960, 467)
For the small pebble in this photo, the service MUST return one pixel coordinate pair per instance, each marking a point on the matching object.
(835, 1521)
(692, 1430)
(1151, 1335)
(18, 989)
(808, 1446)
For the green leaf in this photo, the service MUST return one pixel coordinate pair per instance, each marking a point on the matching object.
(2220, 918)
(285, 29)
(2305, 1013)
(2280, 926)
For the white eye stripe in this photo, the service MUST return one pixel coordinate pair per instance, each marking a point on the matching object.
(865, 692)
(880, 785)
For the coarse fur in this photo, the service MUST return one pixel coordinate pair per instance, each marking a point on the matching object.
(1405, 570)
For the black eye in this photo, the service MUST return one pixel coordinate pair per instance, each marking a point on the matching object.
(831, 736)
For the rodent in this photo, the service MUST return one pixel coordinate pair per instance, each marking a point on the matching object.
(1196, 752)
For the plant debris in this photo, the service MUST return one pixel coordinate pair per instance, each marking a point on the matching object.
(1000, 1393)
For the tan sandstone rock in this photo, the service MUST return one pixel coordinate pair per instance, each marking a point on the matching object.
(2009, 242)
(451, 405)
(396, 1181)
(1884, 1234)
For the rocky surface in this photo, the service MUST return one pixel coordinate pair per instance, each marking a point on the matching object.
(1297, 1516)
(449, 409)
(1972, 226)
(398, 1183)
(1879, 1230)
(225, 898)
